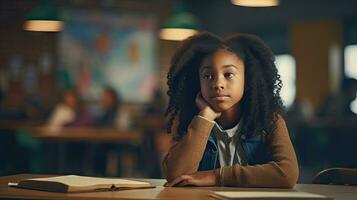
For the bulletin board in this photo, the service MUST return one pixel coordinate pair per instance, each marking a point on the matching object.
(99, 49)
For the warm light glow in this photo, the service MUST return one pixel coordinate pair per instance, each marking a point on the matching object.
(255, 3)
(351, 61)
(43, 25)
(351, 69)
(176, 33)
(286, 67)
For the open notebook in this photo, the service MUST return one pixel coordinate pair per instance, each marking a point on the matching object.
(73, 183)
(252, 195)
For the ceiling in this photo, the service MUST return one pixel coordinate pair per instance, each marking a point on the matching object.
(218, 16)
(222, 17)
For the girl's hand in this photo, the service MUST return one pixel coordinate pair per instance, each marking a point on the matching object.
(206, 110)
(201, 178)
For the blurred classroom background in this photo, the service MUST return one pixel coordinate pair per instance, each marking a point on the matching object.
(83, 82)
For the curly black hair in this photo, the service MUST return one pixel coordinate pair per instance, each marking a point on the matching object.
(261, 103)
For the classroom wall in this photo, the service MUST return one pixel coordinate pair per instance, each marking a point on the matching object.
(27, 48)
(317, 48)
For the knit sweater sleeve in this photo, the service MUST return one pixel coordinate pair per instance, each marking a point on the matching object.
(185, 155)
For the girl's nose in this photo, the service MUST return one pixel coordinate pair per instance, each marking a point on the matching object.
(218, 84)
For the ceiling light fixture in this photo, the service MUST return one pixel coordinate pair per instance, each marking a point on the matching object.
(44, 17)
(256, 3)
(179, 26)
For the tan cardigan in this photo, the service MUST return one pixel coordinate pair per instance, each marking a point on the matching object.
(282, 171)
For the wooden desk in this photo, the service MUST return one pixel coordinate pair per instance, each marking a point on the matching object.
(160, 192)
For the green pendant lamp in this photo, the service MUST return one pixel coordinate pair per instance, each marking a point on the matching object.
(181, 25)
(44, 17)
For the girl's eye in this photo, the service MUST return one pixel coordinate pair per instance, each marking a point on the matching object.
(207, 77)
(229, 75)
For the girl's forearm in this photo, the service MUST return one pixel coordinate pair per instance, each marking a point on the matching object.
(277, 175)
(184, 156)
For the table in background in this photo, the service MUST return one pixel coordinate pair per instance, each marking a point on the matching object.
(55, 141)
(87, 135)
(160, 192)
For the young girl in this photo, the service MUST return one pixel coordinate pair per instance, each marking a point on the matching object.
(225, 113)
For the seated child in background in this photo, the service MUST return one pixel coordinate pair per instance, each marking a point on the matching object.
(65, 111)
(69, 113)
(110, 103)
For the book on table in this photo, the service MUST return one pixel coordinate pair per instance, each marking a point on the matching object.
(73, 183)
(271, 195)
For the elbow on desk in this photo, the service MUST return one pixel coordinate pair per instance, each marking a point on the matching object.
(171, 173)
(169, 176)
(282, 175)
(287, 182)
(170, 170)
(289, 178)
(288, 173)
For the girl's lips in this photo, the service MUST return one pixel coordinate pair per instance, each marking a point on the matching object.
(220, 97)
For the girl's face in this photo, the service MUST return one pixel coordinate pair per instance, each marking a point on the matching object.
(222, 80)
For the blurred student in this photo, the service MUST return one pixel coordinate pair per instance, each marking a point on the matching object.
(70, 112)
(65, 111)
(114, 114)
(110, 103)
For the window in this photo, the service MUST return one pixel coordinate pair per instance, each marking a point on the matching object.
(287, 70)
(351, 68)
